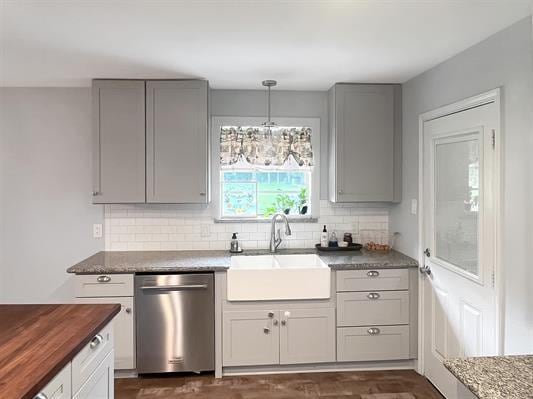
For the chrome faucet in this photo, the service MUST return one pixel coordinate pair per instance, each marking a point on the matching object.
(274, 242)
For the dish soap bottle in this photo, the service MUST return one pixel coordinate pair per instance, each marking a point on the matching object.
(324, 237)
(234, 246)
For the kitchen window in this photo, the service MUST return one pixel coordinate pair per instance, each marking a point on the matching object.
(263, 171)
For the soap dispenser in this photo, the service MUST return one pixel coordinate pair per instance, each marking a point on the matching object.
(235, 247)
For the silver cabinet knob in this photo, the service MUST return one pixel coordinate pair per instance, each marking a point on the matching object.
(275, 322)
(40, 396)
(341, 192)
(373, 331)
(283, 322)
(425, 270)
(271, 314)
(97, 340)
(266, 330)
(373, 273)
(103, 279)
(373, 295)
(128, 310)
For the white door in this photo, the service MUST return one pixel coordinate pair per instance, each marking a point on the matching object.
(459, 302)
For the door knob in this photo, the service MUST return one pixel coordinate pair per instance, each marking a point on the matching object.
(270, 314)
(266, 330)
(283, 322)
(425, 270)
(427, 252)
(275, 322)
(128, 310)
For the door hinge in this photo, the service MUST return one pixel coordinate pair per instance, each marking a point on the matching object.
(493, 138)
(493, 279)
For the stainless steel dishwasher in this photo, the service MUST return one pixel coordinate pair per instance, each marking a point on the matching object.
(175, 317)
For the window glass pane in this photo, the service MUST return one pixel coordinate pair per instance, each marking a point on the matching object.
(263, 193)
(457, 203)
(239, 199)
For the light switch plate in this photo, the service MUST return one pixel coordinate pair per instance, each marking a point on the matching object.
(414, 206)
(97, 230)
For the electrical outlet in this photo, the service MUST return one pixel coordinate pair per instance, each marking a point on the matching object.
(204, 230)
(414, 206)
(97, 230)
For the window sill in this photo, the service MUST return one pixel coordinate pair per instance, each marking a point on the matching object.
(246, 220)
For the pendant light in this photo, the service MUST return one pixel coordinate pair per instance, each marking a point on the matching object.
(269, 84)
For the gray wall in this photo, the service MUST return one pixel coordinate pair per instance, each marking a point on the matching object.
(504, 60)
(46, 214)
(249, 103)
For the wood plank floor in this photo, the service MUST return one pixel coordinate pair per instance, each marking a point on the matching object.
(401, 384)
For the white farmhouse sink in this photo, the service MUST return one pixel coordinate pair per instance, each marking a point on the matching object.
(277, 277)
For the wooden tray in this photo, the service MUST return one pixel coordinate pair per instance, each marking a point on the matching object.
(352, 247)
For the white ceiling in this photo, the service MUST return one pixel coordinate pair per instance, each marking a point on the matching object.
(304, 44)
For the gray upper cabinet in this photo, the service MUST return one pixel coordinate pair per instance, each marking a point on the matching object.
(119, 132)
(151, 141)
(177, 141)
(364, 143)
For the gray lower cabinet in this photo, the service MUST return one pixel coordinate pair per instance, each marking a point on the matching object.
(364, 143)
(372, 343)
(307, 336)
(262, 337)
(250, 338)
(372, 308)
(176, 141)
(119, 141)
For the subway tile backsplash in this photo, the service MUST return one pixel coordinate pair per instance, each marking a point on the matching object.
(192, 227)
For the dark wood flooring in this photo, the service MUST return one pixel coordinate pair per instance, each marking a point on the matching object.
(401, 384)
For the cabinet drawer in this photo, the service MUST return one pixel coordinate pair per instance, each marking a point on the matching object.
(372, 308)
(59, 387)
(103, 285)
(372, 280)
(372, 343)
(90, 356)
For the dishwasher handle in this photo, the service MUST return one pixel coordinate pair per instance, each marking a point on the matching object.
(173, 287)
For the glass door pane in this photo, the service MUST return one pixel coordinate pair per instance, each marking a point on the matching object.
(457, 201)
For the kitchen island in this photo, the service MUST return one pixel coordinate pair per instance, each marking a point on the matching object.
(38, 342)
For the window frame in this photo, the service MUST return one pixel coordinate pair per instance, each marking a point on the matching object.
(218, 121)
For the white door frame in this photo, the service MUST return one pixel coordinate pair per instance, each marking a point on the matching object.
(492, 96)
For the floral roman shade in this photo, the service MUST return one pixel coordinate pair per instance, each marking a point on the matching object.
(275, 147)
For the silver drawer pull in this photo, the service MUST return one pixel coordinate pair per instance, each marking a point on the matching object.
(103, 279)
(373, 331)
(373, 295)
(40, 396)
(373, 273)
(96, 341)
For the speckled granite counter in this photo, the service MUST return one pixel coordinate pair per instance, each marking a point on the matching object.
(115, 262)
(498, 377)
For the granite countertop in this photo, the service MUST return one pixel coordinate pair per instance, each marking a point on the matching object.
(114, 262)
(37, 341)
(498, 377)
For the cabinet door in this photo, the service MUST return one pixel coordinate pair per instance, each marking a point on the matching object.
(100, 385)
(250, 338)
(124, 330)
(307, 336)
(176, 139)
(364, 149)
(119, 131)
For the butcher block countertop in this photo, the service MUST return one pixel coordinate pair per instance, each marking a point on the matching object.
(37, 341)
